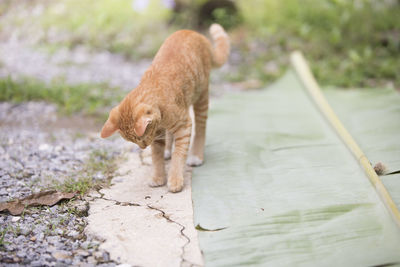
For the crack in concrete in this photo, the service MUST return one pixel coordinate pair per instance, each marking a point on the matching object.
(124, 203)
(183, 260)
(164, 215)
(116, 202)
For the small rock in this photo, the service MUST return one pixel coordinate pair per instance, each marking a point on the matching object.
(68, 262)
(106, 256)
(40, 236)
(25, 230)
(15, 219)
(81, 252)
(20, 238)
(61, 255)
(54, 208)
(85, 244)
(28, 220)
(21, 254)
(44, 147)
(33, 238)
(3, 191)
(98, 255)
(51, 248)
(10, 247)
(91, 260)
(60, 245)
(82, 208)
(73, 234)
(37, 263)
(59, 231)
(75, 245)
(52, 239)
(59, 148)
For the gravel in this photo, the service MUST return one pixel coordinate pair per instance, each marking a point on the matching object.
(38, 147)
(77, 66)
(34, 152)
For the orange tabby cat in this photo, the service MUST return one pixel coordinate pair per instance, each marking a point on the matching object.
(157, 110)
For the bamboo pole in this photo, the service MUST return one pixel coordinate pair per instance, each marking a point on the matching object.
(303, 71)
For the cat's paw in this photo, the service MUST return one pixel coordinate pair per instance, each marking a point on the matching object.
(157, 181)
(175, 184)
(194, 161)
(167, 154)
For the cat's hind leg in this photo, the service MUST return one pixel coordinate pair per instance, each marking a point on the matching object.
(169, 140)
(157, 155)
(182, 141)
(196, 155)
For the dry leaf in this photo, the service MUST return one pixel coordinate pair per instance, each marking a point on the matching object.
(249, 84)
(48, 198)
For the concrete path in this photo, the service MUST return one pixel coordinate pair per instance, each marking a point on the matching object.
(144, 226)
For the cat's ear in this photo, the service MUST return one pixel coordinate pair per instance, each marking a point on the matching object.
(141, 125)
(110, 127)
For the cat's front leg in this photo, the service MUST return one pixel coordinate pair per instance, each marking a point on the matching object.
(157, 155)
(169, 139)
(182, 140)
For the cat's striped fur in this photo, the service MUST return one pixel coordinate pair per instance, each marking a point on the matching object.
(157, 111)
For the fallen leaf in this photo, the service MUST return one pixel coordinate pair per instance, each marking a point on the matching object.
(249, 84)
(200, 228)
(47, 198)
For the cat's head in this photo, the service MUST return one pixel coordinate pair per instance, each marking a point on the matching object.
(138, 125)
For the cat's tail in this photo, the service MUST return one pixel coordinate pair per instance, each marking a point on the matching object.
(221, 45)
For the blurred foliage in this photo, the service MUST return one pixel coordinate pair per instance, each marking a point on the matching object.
(348, 43)
(225, 18)
(91, 99)
(133, 28)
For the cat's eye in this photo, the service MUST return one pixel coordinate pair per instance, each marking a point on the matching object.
(148, 112)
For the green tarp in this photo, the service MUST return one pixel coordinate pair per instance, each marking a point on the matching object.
(372, 116)
(279, 188)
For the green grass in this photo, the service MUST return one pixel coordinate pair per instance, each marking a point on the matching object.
(87, 98)
(81, 185)
(83, 180)
(348, 43)
(3, 233)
